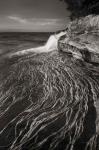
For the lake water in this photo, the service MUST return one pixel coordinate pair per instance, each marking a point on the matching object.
(18, 41)
(47, 101)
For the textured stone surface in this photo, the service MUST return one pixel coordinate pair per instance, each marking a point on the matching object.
(49, 101)
(82, 39)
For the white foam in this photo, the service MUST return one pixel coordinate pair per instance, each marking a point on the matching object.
(51, 45)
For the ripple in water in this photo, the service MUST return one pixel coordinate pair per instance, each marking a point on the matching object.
(47, 102)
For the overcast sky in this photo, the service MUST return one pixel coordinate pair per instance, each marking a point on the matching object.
(32, 15)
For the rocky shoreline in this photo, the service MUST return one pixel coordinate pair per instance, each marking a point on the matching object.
(49, 101)
(82, 39)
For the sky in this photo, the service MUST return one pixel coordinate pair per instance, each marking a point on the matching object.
(33, 15)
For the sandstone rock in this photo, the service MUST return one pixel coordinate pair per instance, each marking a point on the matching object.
(82, 39)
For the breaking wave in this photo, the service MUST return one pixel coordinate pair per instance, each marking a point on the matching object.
(49, 101)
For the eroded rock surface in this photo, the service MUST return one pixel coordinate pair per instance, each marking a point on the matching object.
(82, 39)
(49, 101)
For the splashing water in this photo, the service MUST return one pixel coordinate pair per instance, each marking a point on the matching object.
(49, 101)
(51, 45)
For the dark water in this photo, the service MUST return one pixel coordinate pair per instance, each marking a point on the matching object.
(19, 41)
(47, 101)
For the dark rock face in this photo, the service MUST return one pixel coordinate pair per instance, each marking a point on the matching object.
(49, 101)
